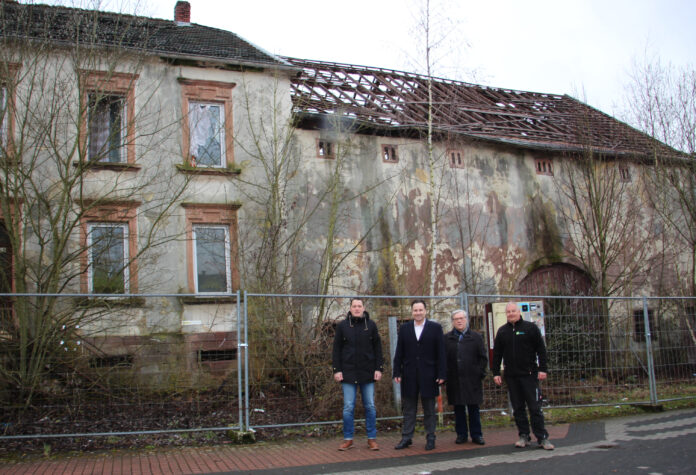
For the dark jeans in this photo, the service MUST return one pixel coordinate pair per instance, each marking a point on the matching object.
(524, 390)
(474, 426)
(409, 406)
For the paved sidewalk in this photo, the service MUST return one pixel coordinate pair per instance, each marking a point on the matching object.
(274, 457)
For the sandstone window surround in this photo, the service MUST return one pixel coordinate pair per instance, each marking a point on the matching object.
(108, 122)
(389, 153)
(625, 173)
(455, 158)
(211, 248)
(8, 76)
(208, 133)
(543, 166)
(109, 248)
(326, 149)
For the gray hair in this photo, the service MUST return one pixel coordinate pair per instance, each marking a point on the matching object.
(459, 310)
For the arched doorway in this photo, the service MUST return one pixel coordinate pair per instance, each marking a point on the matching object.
(556, 279)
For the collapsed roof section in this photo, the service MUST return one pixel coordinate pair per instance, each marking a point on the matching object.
(387, 101)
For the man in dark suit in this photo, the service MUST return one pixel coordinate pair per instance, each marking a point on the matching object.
(420, 367)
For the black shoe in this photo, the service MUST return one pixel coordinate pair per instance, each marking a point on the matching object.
(403, 444)
(430, 443)
(461, 439)
(478, 440)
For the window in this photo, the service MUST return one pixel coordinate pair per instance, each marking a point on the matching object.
(207, 132)
(107, 245)
(108, 248)
(109, 118)
(107, 131)
(455, 158)
(543, 166)
(8, 76)
(212, 259)
(389, 154)
(624, 173)
(639, 333)
(211, 248)
(326, 149)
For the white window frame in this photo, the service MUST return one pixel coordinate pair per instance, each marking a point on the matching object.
(228, 262)
(93, 100)
(90, 247)
(220, 134)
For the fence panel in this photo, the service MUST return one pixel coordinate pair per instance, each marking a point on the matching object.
(81, 364)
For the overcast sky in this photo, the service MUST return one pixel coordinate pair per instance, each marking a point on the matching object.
(583, 48)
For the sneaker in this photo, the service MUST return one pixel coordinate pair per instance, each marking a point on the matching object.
(346, 445)
(522, 443)
(546, 444)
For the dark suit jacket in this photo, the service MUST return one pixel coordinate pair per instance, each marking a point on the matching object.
(420, 363)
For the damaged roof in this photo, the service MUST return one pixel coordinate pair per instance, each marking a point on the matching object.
(388, 100)
(167, 38)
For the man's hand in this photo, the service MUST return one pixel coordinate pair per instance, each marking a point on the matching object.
(338, 376)
(397, 379)
(440, 381)
(541, 376)
(498, 380)
(378, 375)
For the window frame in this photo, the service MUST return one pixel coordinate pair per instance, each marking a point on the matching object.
(124, 258)
(211, 215)
(7, 128)
(321, 144)
(639, 333)
(390, 153)
(543, 166)
(121, 213)
(228, 272)
(208, 92)
(624, 173)
(103, 84)
(109, 100)
(460, 155)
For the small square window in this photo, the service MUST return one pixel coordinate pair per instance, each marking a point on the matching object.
(212, 259)
(455, 158)
(543, 166)
(624, 173)
(389, 154)
(326, 149)
(107, 131)
(108, 257)
(207, 141)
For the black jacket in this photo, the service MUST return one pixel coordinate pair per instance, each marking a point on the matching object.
(519, 346)
(419, 363)
(357, 349)
(466, 367)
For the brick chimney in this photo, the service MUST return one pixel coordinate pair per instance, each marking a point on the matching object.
(182, 12)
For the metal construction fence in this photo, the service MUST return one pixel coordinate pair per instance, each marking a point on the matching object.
(87, 365)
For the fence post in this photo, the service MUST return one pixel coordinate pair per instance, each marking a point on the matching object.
(246, 360)
(392, 350)
(649, 351)
(465, 305)
(239, 361)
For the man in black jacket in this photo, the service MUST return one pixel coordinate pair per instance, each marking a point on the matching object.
(519, 344)
(466, 368)
(357, 362)
(420, 366)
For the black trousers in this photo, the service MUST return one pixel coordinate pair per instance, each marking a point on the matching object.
(409, 406)
(524, 391)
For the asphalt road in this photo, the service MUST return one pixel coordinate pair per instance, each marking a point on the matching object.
(651, 444)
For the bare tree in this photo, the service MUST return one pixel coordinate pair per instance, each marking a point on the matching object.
(81, 211)
(661, 101)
